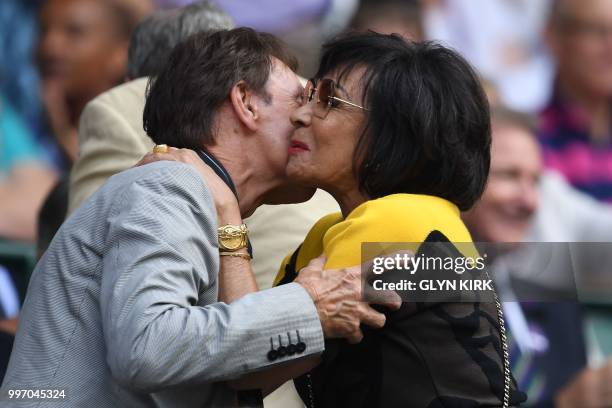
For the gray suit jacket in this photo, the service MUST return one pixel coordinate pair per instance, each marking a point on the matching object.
(122, 309)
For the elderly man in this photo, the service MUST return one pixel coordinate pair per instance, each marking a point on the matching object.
(127, 307)
(575, 132)
(112, 139)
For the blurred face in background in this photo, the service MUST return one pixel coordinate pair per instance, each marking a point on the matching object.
(394, 25)
(403, 18)
(510, 200)
(580, 37)
(82, 47)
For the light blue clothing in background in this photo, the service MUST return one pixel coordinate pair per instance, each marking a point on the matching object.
(275, 16)
(19, 79)
(9, 300)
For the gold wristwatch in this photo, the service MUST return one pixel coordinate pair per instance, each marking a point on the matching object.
(233, 237)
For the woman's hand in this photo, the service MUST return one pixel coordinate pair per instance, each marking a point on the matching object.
(226, 204)
(337, 296)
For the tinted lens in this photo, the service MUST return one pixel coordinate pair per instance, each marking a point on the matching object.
(309, 91)
(325, 90)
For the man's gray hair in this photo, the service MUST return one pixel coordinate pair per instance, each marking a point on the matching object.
(154, 38)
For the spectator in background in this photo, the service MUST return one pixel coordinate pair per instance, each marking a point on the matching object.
(503, 39)
(404, 17)
(511, 198)
(19, 77)
(81, 53)
(111, 132)
(25, 179)
(576, 131)
(584, 218)
(154, 38)
(548, 352)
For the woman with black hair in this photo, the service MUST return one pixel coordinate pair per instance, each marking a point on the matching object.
(398, 133)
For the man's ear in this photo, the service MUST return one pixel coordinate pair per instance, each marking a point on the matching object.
(245, 106)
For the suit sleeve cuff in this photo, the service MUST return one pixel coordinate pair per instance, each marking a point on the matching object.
(285, 325)
(304, 331)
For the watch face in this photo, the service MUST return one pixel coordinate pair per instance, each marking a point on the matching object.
(232, 242)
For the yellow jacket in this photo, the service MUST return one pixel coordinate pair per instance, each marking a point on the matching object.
(397, 218)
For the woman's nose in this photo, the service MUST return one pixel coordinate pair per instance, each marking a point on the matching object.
(302, 116)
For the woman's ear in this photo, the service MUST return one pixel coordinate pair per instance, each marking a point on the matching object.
(245, 105)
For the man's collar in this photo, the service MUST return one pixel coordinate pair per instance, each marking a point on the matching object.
(216, 165)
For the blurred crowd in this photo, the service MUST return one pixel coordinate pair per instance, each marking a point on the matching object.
(546, 66)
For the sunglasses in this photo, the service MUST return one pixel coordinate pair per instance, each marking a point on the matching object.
(325, 89)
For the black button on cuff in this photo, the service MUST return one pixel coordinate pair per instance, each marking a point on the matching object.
(291, 349)
(272, 355)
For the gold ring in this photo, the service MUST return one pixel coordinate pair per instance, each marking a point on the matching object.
(162, 148)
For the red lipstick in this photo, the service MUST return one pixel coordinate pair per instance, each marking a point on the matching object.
(297, 147)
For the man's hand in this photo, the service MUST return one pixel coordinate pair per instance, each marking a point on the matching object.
(592, 388)
(337, 295)
(226, 204)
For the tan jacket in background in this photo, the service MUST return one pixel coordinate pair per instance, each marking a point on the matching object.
(111, 139)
